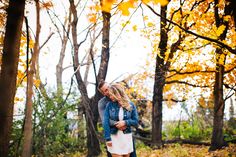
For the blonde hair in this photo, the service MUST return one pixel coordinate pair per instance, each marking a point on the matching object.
(117, 91)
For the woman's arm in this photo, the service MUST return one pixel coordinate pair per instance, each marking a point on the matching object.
(133, 121)
(112, 122)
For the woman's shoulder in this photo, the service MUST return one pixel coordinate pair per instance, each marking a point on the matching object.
(131, 103)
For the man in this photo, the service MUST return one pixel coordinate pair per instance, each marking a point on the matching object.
(103, 87)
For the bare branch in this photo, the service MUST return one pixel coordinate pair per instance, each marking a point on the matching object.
(186, 83)
(191, 72)
(50, 35)
(174, 100)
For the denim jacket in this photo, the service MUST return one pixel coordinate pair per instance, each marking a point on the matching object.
(112, 113)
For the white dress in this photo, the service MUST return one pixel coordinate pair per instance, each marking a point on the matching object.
(121, 143)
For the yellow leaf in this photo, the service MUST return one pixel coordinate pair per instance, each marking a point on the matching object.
(124, 8)
(150, 24)
(37, 83)
(107, 4)
(222, 59)
(92, 18)
(134, 28)
(146, 1)
(145, 18)
(227, 18)
(220, 30)
(162, 2)
(17, 99)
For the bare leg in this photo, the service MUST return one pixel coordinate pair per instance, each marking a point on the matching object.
(116, 155)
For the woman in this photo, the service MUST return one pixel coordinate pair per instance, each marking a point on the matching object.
(119, 142)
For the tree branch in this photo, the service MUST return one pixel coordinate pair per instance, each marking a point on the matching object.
(221, 44)
(186, 83)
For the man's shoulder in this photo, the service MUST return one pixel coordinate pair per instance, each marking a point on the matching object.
(103, 100)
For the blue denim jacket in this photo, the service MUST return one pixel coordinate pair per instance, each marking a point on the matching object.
(112, 113)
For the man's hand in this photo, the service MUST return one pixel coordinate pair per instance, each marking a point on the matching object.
(121, 125)
(109, 144)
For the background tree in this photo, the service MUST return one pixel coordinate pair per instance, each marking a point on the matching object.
(28, 129)
(15, 14)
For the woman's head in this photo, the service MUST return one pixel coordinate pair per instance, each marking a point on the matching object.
(117, 93)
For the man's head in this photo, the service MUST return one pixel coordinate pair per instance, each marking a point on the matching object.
(103, 87)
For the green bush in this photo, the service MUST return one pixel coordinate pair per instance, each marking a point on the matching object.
(187, 130)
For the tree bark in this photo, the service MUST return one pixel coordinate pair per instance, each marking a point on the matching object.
(28, 132)
(159, 84)
(217, 140)
(9, 67)
(59, 67)
(89, 105)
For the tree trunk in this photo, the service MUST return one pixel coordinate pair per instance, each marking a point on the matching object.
(59, 67)
(27, 142)
(159, 84)
(91, 122)
(217, 140)
(10, 58)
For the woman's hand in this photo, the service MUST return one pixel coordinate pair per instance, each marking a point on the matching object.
(109, 144)
(121, 125)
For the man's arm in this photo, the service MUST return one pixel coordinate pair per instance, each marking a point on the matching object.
(101, 107)
(106, 125)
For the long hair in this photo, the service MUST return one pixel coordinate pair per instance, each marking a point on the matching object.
(117, 91)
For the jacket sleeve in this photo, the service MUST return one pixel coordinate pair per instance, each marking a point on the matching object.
(133, 121)
(106, 124)
(101, 107)
(112, 122)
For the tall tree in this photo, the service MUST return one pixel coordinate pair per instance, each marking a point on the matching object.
(10, 58)
(217, 140)
(159, 82)
(90, 104)
(27, 144)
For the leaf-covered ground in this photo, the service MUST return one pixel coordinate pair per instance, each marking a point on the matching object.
(177, 150)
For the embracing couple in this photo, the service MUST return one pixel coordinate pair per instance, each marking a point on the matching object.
(118, 114)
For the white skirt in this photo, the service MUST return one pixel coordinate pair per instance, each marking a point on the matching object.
(121, 143)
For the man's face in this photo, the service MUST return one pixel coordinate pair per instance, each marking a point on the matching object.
(105, 89)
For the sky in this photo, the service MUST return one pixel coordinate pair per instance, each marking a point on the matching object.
(127, 55)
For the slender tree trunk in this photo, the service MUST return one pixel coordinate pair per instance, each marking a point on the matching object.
(10, 58)
(91, 126)
(159, 84)
(27, 144)
(59, 67)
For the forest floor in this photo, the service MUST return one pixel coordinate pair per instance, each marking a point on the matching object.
(179, 150)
